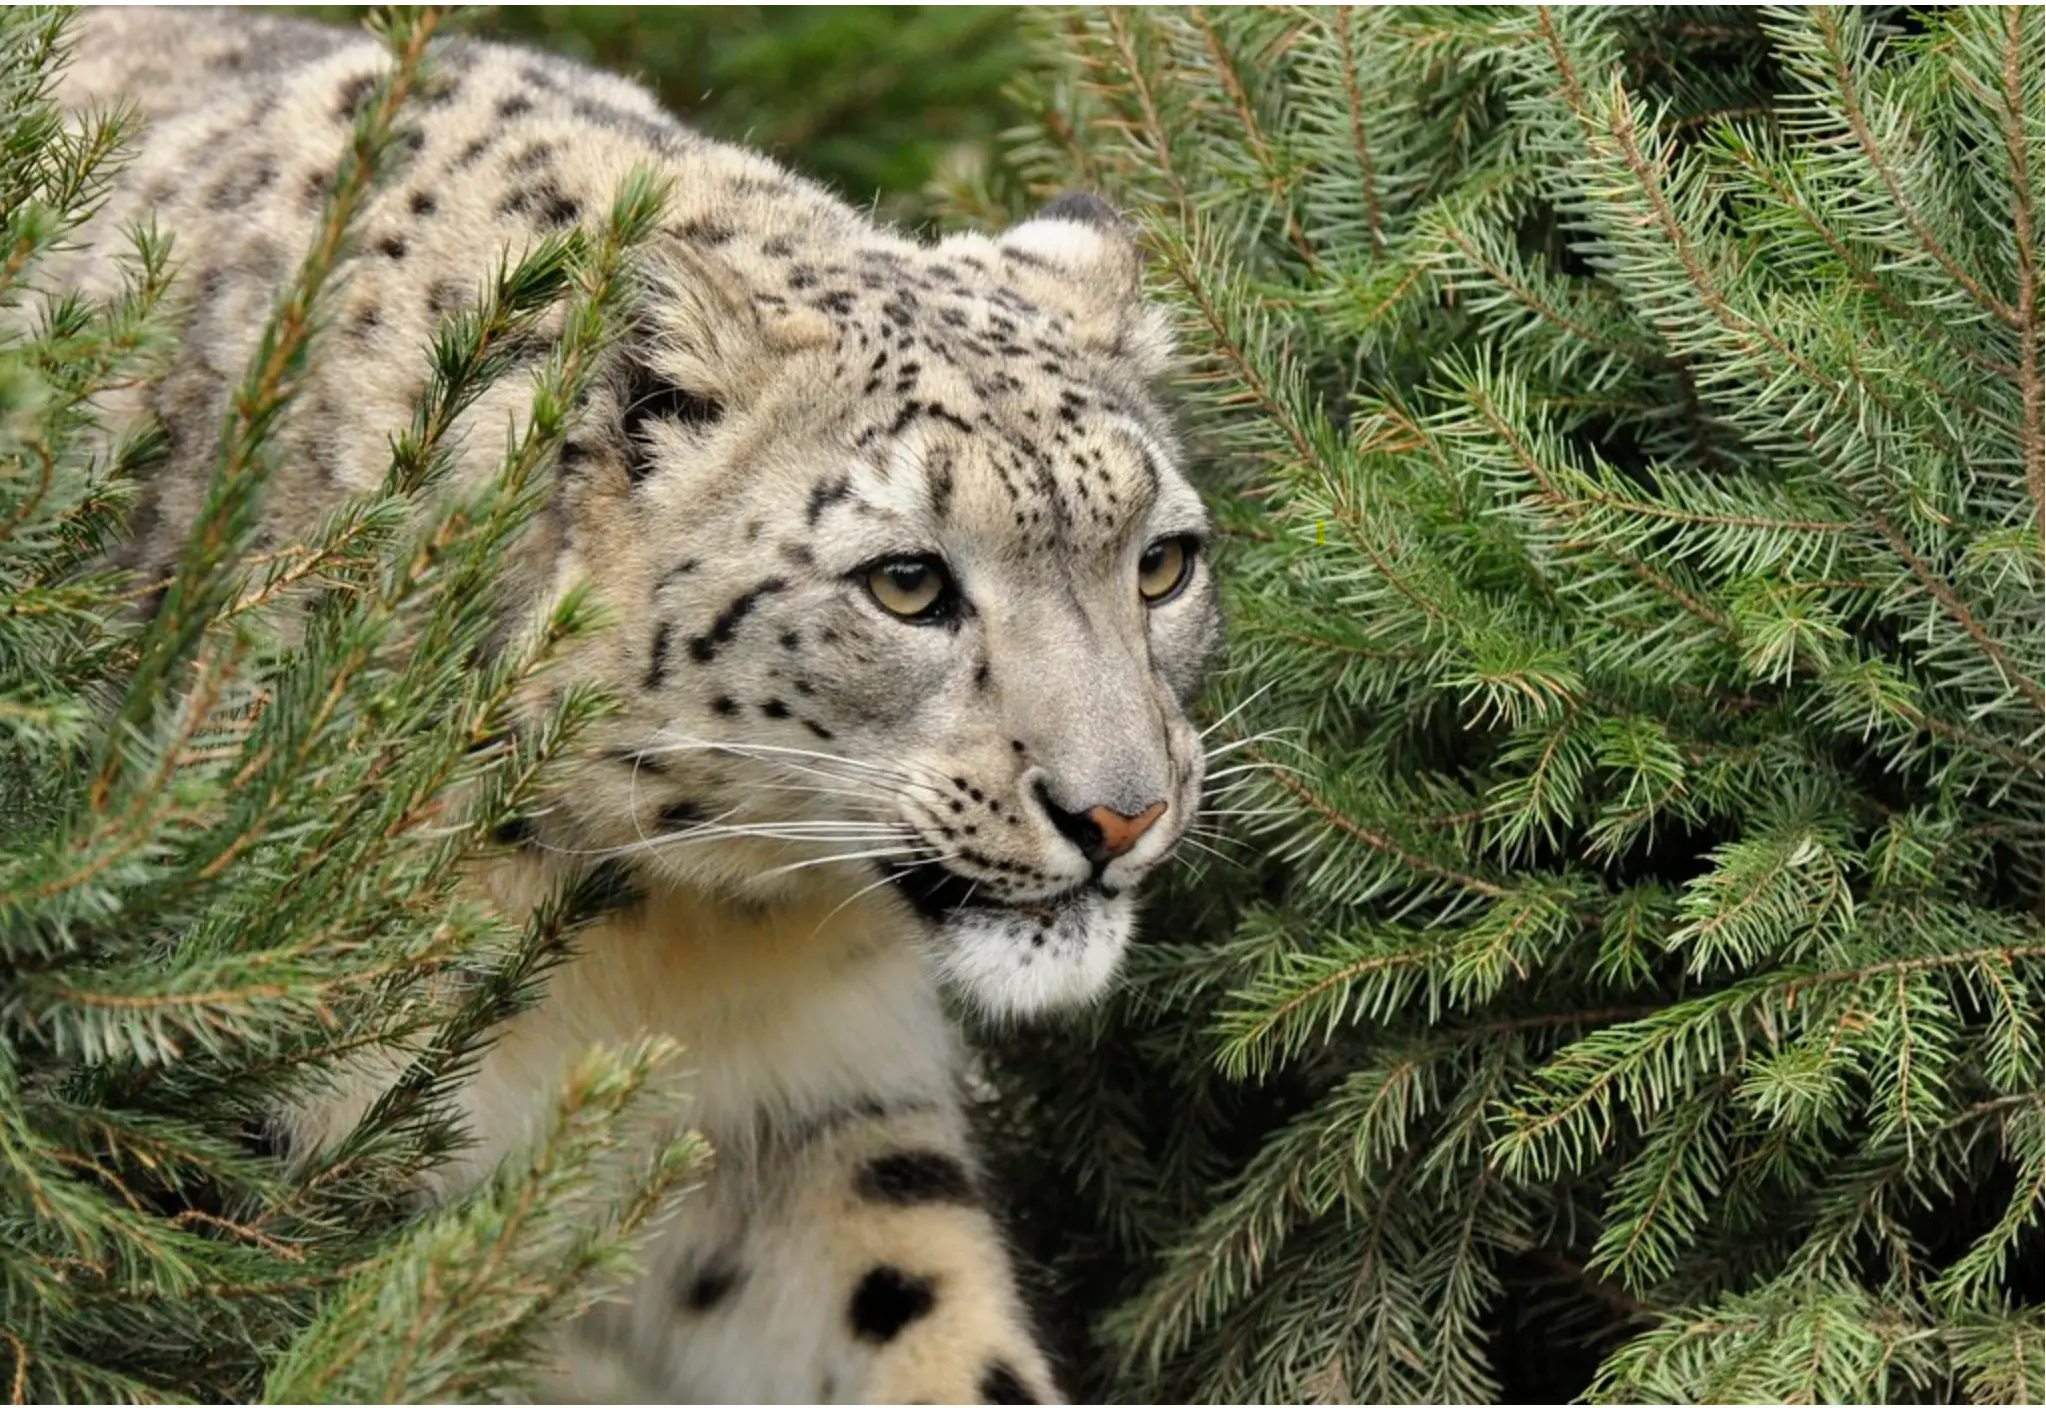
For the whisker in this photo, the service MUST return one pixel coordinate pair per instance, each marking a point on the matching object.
(836, 859)
(1274, 738)
(866, 788)
(638, 830)
(824, 823)
(1243, 704)
(866, 889)
(856, 794)
(791, 836)
(875, 885)
(1241, 768)
(806, 769)
(686, 744)
(869, 787)
(1202, 845)
(768, 752)
(791, 832)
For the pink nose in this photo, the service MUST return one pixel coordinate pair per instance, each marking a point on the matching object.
(1119, 832)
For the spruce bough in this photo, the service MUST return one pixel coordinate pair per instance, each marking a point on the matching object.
(1626, 979)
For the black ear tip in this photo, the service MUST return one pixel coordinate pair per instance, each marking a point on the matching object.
(1085, 208)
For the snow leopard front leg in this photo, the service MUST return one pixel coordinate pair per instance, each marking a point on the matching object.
(874, 1218)
(848, 1257)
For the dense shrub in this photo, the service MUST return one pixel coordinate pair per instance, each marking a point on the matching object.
(1625, 974)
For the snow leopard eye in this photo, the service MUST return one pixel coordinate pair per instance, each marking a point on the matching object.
(916, 589)
(1163, 570)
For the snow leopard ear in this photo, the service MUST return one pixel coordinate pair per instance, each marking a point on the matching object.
(1081, 256)
(699, 325)
(701, 343)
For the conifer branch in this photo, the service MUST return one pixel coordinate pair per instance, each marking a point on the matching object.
(1153, 127)
(1865, 277)
(1375, 840)
(1663, 520)
(1749, 334)
(1827, 20)
(2025, 228)
(1539, 307)
(1253, 132)
(1552, 494)
(257, 405)
(1673, 1024)
(1957, 609)
(189, 941)
(1601, 1287)
(1223, 340)
(1360, 140)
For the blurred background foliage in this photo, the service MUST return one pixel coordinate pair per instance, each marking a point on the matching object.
(880, 101)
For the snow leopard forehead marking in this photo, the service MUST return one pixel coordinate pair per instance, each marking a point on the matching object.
(992, 402)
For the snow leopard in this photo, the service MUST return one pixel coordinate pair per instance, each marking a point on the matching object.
(907, 591)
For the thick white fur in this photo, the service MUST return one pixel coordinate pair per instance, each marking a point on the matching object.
(1081, 949)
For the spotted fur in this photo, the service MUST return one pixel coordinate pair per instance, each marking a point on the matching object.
(810, 814)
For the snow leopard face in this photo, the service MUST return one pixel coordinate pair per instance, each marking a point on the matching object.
(915, 590)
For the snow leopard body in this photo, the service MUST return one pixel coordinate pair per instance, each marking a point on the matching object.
(813, 420)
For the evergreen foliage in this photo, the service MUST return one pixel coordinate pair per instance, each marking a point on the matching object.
(234, 826)
(1622, 974)
(1622, 971)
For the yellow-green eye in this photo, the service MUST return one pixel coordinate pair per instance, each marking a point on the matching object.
(1164, 568)
(914, 588)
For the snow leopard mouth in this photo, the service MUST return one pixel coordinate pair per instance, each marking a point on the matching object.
(937, 894)
(1026, 956)
(932, 890)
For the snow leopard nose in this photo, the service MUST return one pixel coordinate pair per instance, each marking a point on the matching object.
(1101, 833)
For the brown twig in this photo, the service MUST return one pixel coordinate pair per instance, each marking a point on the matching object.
(1360, 140)
(2032, 448)
(1253, 130)
(1828, 21)
(1328, 812)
